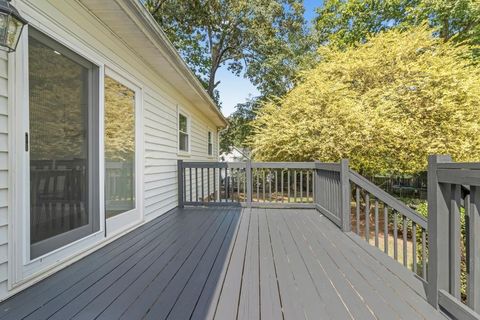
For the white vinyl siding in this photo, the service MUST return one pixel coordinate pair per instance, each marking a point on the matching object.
(70, 20)
(4, 177)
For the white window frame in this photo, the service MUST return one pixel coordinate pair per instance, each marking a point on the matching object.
(135, 216)
(210, 143)
(189, 127)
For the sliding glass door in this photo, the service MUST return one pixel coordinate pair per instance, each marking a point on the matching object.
(63, 145)
(120, 147)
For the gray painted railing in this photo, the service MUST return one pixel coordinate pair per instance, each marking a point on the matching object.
(353, 202)
(454, 205)
(379, 215)
(323, 186)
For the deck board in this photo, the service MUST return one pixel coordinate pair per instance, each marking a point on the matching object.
(227, 263)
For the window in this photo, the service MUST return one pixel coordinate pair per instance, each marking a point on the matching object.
(119, 148)
(183, 137)
(210, 144)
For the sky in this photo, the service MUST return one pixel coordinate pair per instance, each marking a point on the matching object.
(233, 89)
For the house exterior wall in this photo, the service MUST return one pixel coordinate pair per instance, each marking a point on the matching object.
(4, 172)
(70, 21)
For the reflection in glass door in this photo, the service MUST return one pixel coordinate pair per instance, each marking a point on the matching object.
(62, 149)
(119, 148)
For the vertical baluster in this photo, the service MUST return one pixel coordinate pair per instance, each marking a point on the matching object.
(424, 254)
(367, 217)
(190, 183)
(395, 235)
(473, 299)
(376, 223)
(258, 185)
(294, 186)
(232, 184)
(405, 234)
(208, 184)
(308, 185)
(238, 185)
(414, 246)
(245, 185)
(301, 185)
(263, 184)
(288, 185)
(203, 184)
(357, 199)
(455, 241)
(276, 185)
(270, 185)
(281, 184)
(214, 185)
(385, 228)
(196, 184)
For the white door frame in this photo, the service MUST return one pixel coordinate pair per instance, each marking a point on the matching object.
(21, 267)
(127, 220)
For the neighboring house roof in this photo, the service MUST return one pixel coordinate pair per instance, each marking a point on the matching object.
(132, 22)
(235, 154)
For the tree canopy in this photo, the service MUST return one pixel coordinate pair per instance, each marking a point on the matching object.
(348, 22)
(266, 40)
(386, 104)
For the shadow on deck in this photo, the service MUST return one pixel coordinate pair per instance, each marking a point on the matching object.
(228, 263)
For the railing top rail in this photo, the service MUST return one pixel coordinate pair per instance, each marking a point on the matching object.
(264, 165)
(389, 200)
(459, 165)
(283, 165)
(459, 176)
(328, 166)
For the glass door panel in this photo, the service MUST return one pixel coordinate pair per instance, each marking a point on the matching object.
(61, 147)
(119, 148)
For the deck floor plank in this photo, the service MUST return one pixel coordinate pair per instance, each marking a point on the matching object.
(198, 292)
(271, 305)
(227, 263)
(335, 305)
(77, 297)
(410, 299)
(138, 308)
(290, 264)
(249, 304)
(345, 290)
(64, 279)
(162, 253)
(403, 300)
(227, 307)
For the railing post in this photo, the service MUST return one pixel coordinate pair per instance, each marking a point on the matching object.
(248, 174)
(345, 194)
(180, 183)
(438, 231)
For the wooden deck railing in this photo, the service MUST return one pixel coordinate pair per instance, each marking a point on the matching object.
(434, 250)
(388, 223)
(454, 236)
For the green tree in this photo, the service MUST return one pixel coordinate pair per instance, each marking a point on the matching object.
(265, 39)
(240, 128)
(385, 104)
(347, 22)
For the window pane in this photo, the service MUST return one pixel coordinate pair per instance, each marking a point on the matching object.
(182, 125)
(183, 139)
(210, 149)
(119, 148)
(59, 158)
(209, 137)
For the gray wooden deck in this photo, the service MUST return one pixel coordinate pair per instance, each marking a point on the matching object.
(228, 263)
